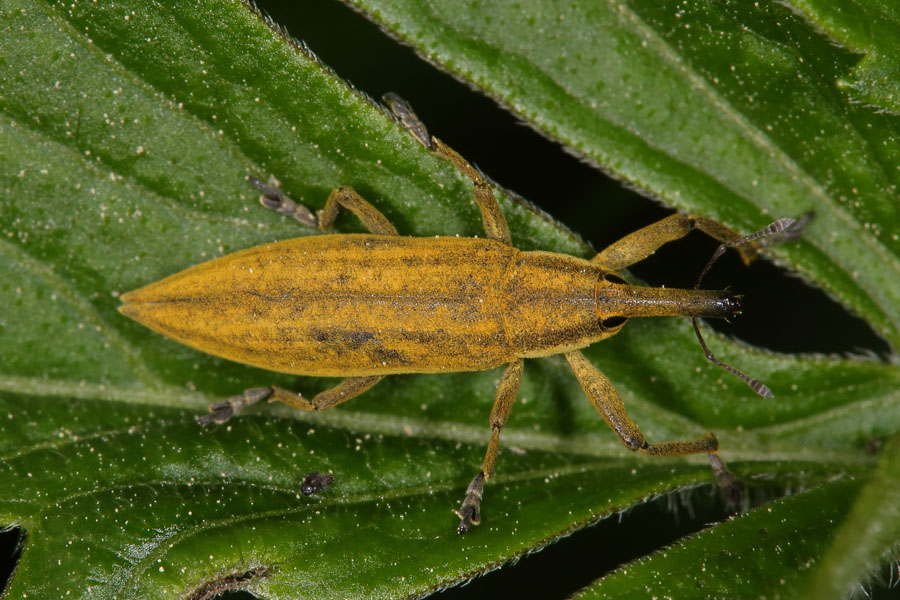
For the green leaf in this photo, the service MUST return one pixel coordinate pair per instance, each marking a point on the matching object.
(868, 536)
(739, 558)
(126, 132)
(871, 29)
(778, 542)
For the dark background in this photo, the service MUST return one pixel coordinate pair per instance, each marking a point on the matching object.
(780, 311)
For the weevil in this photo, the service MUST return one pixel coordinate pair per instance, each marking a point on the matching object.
(365, 306)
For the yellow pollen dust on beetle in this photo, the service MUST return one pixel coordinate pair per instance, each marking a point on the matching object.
(364, 306)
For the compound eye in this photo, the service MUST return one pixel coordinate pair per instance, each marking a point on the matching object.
(613, 278)
(613, 322)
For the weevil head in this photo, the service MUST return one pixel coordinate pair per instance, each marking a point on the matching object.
(731, 304)
(616, 301)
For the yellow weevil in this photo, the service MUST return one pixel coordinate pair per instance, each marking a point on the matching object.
(369, 305)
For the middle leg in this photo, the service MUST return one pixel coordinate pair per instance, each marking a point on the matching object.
(470, 510)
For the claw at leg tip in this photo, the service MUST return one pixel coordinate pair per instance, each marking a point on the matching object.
(468, 516)
(734, 492)
(219, 412)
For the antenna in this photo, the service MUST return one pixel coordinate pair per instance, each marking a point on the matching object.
(785, 229)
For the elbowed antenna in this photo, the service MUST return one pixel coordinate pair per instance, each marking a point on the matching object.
(784, 229)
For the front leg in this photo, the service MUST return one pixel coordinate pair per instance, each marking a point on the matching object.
(470, 511)
(640, 244)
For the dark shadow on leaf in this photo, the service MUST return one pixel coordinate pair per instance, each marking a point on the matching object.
(12, 541)
(561, 569)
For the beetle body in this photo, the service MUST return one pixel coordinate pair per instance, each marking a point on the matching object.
(360, 305)
(365, 306)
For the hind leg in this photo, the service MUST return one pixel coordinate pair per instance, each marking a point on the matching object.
(274, 199)
(345, 390)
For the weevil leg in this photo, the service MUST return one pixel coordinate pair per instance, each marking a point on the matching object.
(273, 198)
(492, 218)
(345, 390)
(603, 396)
(220, 412)
(370, 216)
(637, 246)
(470, 510)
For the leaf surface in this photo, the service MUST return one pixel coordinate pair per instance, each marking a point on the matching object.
(872, 29)
(126, 132)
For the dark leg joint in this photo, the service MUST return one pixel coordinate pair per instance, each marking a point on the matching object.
(408, 119)
(470, 510)
(635, 443)
(273, 198)
(732, 487)
(220, 412)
